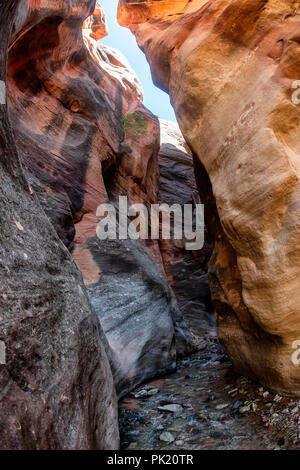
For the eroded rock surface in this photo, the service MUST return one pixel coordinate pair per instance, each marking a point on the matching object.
(230, 68)
(56, 386)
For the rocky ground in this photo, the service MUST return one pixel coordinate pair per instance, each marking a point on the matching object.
(205, 405)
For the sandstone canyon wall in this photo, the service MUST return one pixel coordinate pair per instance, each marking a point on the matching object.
(230, 67)
(56, 386)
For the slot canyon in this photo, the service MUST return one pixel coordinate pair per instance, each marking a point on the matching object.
(141, 343)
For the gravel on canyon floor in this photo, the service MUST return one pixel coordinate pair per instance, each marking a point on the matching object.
(204, 404)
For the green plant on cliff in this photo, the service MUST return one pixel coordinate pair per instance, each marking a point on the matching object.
(135, 124)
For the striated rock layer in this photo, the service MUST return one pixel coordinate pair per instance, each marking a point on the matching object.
(56, 386)
(67, 97)
(230, 67)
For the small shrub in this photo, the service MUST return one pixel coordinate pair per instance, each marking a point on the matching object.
(135, 124)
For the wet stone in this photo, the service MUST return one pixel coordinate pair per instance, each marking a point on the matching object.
(172, 408)
(167, 437)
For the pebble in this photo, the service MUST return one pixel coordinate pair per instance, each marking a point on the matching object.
(179, 443)
(254, 406)
(222, 406)
(141, 394)
(203, 417)
(244, 409)
(237, 404)
(132, 445)
(172, 408)
(166, 436)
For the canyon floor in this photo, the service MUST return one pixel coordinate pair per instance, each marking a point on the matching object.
(213, 408)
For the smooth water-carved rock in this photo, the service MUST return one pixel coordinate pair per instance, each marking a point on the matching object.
(230, 68)
(56, 386)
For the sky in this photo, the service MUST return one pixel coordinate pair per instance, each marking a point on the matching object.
(121, 38)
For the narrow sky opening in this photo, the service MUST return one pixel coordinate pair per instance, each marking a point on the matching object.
(121, 38)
